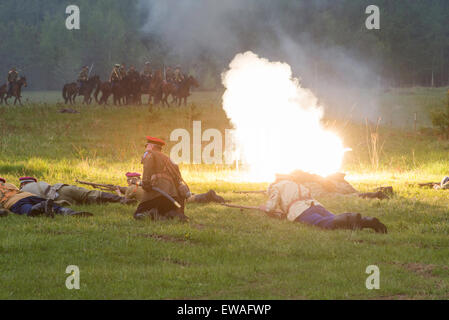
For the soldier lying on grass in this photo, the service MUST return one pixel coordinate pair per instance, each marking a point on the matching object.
(296, 203)
(65, 194)
(25, 203)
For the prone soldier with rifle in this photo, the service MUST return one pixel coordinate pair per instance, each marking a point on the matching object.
(65, 194)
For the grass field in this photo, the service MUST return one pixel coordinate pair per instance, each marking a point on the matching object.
(221, 253)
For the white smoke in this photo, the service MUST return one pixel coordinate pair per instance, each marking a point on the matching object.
(277, 122)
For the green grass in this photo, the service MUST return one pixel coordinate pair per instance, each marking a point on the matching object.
(221, 253)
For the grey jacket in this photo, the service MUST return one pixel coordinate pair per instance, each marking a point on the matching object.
(43, 189)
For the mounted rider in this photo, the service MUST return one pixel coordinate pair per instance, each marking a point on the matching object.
(116, 75)
(123, 71)
(169, 75)
(83, 77)
(13, 76)
(132, 73)
(178, 75)
(147, 72)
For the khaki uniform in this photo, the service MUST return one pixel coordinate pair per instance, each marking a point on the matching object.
(62, 193)
(122, 73)
(147, 72)
(155, 174)
(84, 75)
(291, 198)
(115, 75)
(10, 195)
(12, 76)
(135, 192)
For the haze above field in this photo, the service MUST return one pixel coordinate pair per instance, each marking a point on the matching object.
(325, 42)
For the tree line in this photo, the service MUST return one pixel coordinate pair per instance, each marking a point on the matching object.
(411, 48)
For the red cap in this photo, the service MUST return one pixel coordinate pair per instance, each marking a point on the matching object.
(28, 179)
(156, 141)
(2, 180)
(133, 175)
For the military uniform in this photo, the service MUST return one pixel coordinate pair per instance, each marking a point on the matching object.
(123, 72)
(178, 76)
(65, 194)
(83, 77)
(159, 171)
(169, 75)
(115, 76)
(26, 203)
(296, 203)
(13, 75)
(147, 72)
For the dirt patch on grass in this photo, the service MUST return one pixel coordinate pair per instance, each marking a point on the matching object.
(177, 262)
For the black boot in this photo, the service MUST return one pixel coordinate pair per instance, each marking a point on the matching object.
(350, 221)
(37, 209)
(210, 196)
(110, 197)
(172, 214)
(72, 213)
(214, 197)
(373, 223)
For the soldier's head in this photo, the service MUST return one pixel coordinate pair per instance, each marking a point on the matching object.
(13, 69)
(2, 180)
(154, 144)
(116, 66)
(147, 63)
(86, 68)
(26, 180)
(133, 178)
(132, 68)
(123, 66)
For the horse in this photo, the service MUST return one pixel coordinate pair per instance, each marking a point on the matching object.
(155, 89)
(168, 88)
(16, 90)
(133, 93)
(106, 90)
(88, 88)
(69, 92)
(183, 90)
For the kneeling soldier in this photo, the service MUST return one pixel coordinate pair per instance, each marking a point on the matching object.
(295, 202)
(25, 203)
(165, 190)
(65, 194)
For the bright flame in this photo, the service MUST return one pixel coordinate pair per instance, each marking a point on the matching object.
(277, 123)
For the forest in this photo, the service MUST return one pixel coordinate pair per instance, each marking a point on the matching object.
(410, 49)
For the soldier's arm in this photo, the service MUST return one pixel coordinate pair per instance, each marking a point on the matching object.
(148, 171)
(274, 197)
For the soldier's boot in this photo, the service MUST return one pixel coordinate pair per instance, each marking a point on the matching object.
(4, 213)
(352, 221)
(37, 210)
(110, 197)
(373, 223)
(49, 208)
(72, 213)
(214, 197)
(152, 214)
(175, 214)
(210, 196)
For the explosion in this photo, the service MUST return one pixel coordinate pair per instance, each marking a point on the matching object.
(277, 122)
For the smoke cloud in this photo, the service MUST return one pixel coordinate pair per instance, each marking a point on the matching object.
(212, 32)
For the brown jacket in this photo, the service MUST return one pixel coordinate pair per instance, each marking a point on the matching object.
(10, 195)
(155, 174)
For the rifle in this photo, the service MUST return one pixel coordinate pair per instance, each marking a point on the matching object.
(276, 214)
(104, 187)
(248, 192)
(90, 70)
(428, 184)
